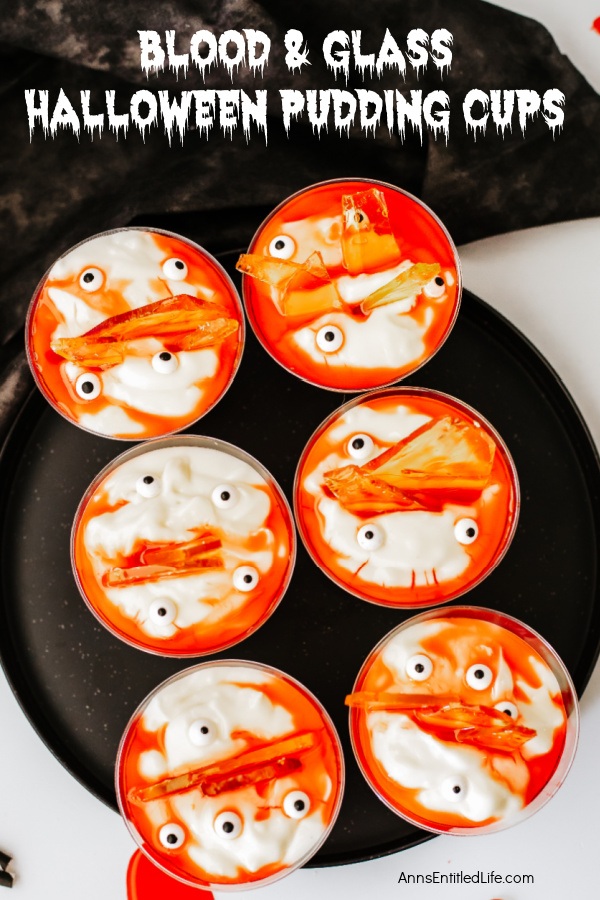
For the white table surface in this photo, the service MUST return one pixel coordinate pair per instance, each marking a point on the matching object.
(66, 845)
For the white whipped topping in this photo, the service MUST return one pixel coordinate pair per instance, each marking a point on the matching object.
(230, 700)
(418, 760)
(388, 339)
(186, 478)
(131, 262)
(543, 714)
(418, 547)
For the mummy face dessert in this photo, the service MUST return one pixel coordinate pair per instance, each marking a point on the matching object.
(406, 497)
(464, 722)
(230, 775)
(184, 546)
(135, 334)
(351, 285)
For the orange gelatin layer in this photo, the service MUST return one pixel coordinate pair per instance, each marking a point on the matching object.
(420, 511)
(478, 729)
(193, 578)
(269, 766)
(109, 308)
(389, 286)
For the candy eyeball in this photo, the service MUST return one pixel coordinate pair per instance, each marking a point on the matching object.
(228, 825)
(282, 247)
(296, 804)
(171, 836)
(175, 269)
(454, 788)
(508, 708)
(165, 363)
(91, 279)
(88, 386)
(466, 531)
(245, 578)
(370, 537)
(202, 732)
(436, 288)
(162, 611)
(479, 677)
(329, 338)
(225, 496)
(360, 446)
(148, 486)
(419, 667)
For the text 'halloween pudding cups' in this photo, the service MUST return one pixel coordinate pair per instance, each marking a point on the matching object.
(134, 333)
(464, 721)
(351, 284)
(183, 546)
(406, 497)
(230, 775)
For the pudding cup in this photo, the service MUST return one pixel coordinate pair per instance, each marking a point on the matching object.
(406, 497)
(134, 333)
(230, 775)
(464, 721)
(351, 284)
(183, 546)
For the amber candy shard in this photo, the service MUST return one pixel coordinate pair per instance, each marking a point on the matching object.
(182, 322)
(361, 492)
(407, 284)
(241, 770)
(372, 700)
(477, 725)
(445, 454)
(268, 269)
(368, 242)
(153, 562)
(303, 289)
(310, 291)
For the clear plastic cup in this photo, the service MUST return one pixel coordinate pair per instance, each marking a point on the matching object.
(464, 721)
(134, 333)
(230, 775)
(183, 546)
(406, 497)
(351, 284)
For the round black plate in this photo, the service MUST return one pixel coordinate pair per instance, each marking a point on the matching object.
(79, 685)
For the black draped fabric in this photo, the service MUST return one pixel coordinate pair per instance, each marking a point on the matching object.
(57, 191)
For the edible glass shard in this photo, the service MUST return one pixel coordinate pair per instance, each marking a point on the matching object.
(367, 239)
(406, 284)
(182, 323)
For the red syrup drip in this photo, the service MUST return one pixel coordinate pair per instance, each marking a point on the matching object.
(145, 881)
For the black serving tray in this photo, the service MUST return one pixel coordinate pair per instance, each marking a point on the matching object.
(79, 685)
